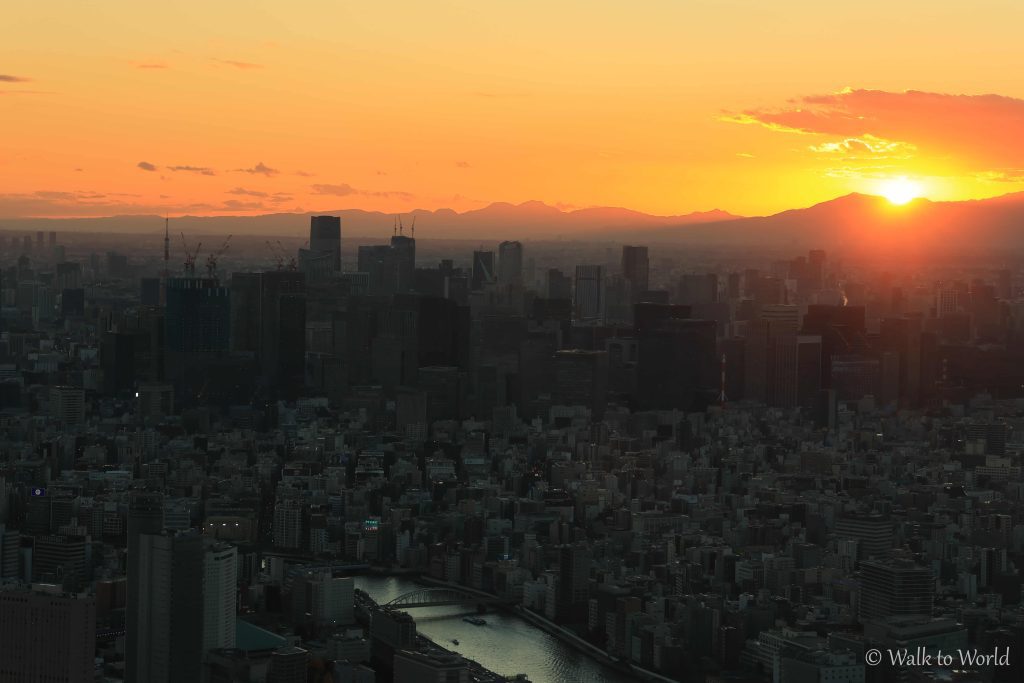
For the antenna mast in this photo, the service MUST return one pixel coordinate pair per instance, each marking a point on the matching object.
(721, 394)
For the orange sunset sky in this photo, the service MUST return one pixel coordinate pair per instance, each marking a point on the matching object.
(663, 106)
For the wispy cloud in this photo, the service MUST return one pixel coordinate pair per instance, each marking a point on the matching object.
(247, 193)
(7, 78)
(237, 64)
(152, 65)
(345, 190)
(866, 146)
(462, 164)
(338, 190)
(979, 134)
(259, 169)
(146, 166)
(202, 170)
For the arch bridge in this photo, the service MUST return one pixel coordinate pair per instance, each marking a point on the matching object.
(440, 597)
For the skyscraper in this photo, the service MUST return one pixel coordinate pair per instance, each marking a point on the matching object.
(483, 269)
(167, 643)
(325, 240)
(197, 328)
(510, 264)
(219, 601)
(636, 268)
(145, 516)
(588, 295)
(404, 254)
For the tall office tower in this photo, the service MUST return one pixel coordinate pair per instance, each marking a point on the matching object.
(145, 516)
(781, 316)
(282, 351)
(483, 269)
(404, 254)
(510, 264)
(245, 312)
(678, 365)
(895, 588)
(581, 379)
(219, 595)
(698, 289)
(288, 524)
(808, 370)
(636, 268)
(46, 637)
(873, 533)
(168, 613)
(902, 337)
(10, 549)
(288, 665)
(588, 295)
(378, 262)
(435, 667)
(196, 330)
(559, 285)
(573, 591)
(325, 240)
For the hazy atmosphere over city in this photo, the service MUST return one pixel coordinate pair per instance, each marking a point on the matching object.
(677, 340)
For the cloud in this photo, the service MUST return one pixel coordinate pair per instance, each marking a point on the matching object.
(203, 170)
(745, 155)
(304, 174)
(239, 65)
(462, 164)
(85, 203)
(341, 190)
(978, 133)
(345, 190)
(866, 146)
(146, 166)
(259, 169)
(7, 78)
(247, 193)
(152, 65)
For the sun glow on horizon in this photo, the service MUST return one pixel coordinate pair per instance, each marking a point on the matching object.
(900, 190)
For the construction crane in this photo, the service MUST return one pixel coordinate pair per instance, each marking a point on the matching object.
(277, 253)
(292, 265)
(214, 257)
(190, 256)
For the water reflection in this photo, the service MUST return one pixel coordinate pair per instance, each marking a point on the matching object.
(506, 644)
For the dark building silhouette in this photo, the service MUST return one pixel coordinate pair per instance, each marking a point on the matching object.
(636, 268)
(677, 366)
(483, 269)
(47, 637)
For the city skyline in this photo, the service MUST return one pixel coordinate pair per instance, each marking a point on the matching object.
(676, 108)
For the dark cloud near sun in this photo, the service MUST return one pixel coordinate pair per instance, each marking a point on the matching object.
(8, 78)
(146, 166)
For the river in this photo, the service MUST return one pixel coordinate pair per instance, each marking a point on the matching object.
(507, 645)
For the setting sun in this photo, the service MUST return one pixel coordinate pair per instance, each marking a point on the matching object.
(900, 190)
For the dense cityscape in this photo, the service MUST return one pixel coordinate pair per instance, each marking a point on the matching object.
(242, 459)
